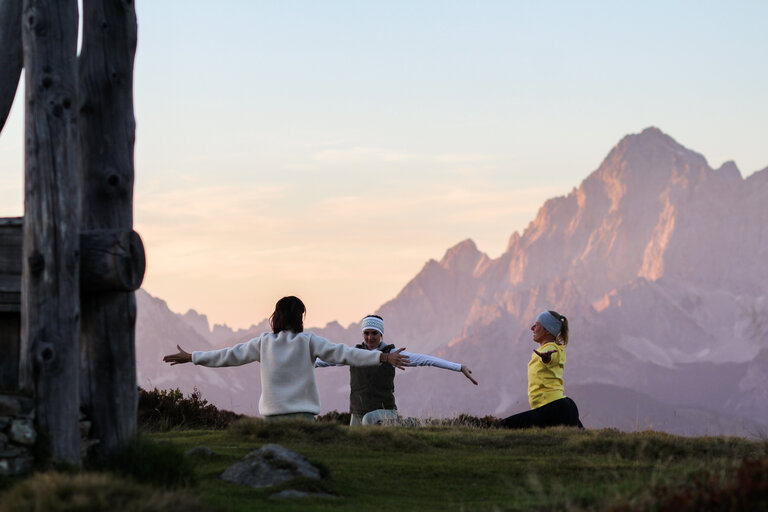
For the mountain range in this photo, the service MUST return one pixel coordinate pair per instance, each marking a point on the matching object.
(657, 261)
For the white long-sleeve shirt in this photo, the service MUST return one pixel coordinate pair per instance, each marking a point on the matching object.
(415, 360)
(288, 382)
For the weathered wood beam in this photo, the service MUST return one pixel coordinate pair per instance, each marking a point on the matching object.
(107, 126)
(110, 260)
(11, 242)
(50, 309)
(10, 301)
(11, 55)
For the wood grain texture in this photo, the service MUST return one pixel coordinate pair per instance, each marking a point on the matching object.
(107, 126)
(50, 309)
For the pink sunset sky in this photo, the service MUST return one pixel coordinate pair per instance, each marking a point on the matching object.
(329, 149)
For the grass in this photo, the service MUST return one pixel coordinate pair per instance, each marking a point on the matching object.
(53, 491)
(448, 467)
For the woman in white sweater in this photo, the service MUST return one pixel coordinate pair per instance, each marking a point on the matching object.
(287, 356)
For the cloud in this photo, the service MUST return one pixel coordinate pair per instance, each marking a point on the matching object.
(368, 155)
(253, 241)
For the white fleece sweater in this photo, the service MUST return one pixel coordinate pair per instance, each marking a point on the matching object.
(287, 367)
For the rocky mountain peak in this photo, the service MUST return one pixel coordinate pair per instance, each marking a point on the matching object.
(729, 170)
(648, 157)
(198, 322)
(462, 257)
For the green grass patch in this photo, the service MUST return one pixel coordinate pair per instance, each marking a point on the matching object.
(444, 467)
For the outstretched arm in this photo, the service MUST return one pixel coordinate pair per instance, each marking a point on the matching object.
(468, 374)
(546, 357)
(425, 360)
(319, 363)
(396, 359)
(181, 357)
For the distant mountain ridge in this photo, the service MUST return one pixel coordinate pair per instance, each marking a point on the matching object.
(656, 259)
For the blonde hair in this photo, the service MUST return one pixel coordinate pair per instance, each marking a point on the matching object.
(562, 337)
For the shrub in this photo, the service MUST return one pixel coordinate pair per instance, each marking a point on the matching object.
(163, 410)
(92, 492)
(149, 462)
(258, 430)
(746, 491)
(341, 418)
(467, 420)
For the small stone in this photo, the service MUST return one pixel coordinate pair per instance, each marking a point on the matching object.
(9, 406)
(86, 445)
(268, 466)
(22, 465)
(11, 451)
(23, 432)
(200, 451)
(27, 406)
(292, 494)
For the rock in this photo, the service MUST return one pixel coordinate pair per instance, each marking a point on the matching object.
(86, 445)
(27, 406)
(268, 466)
(10, 451)
(23, 432)
(16, 466)
(21, 465)
(200, 451)
(9, 406)
(292, 494)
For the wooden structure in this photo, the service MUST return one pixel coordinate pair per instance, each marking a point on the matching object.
(73, 262)
(10, 302)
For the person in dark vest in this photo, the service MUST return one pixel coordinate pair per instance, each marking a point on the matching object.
(372, 389)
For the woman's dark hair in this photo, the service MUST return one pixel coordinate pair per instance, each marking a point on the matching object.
(374, 316)
(562, 338)
(288, 315)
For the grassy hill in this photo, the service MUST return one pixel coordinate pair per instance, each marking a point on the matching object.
(445, 465)
(471, 468)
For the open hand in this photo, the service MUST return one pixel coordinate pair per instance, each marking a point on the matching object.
(468, 374)
(397, 360)
(179, 358)
(546, 357)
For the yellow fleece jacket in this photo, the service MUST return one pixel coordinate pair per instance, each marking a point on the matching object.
(545, 380)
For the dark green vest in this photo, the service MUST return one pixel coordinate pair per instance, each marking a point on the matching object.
(372, 387)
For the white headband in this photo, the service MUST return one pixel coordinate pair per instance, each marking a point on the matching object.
(371, 322)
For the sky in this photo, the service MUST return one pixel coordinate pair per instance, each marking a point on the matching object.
(328, 149)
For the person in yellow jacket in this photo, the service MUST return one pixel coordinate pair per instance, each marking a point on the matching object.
(549, 405)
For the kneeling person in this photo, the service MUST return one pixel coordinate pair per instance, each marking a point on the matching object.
(372, 389)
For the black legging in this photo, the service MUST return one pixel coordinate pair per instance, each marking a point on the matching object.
(560, 412)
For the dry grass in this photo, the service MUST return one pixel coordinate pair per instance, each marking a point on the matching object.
(92, 492)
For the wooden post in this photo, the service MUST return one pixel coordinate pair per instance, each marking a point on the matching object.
(50, 309)
(108, 383)
(11, 55)
(111, 260)
(11, 239)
